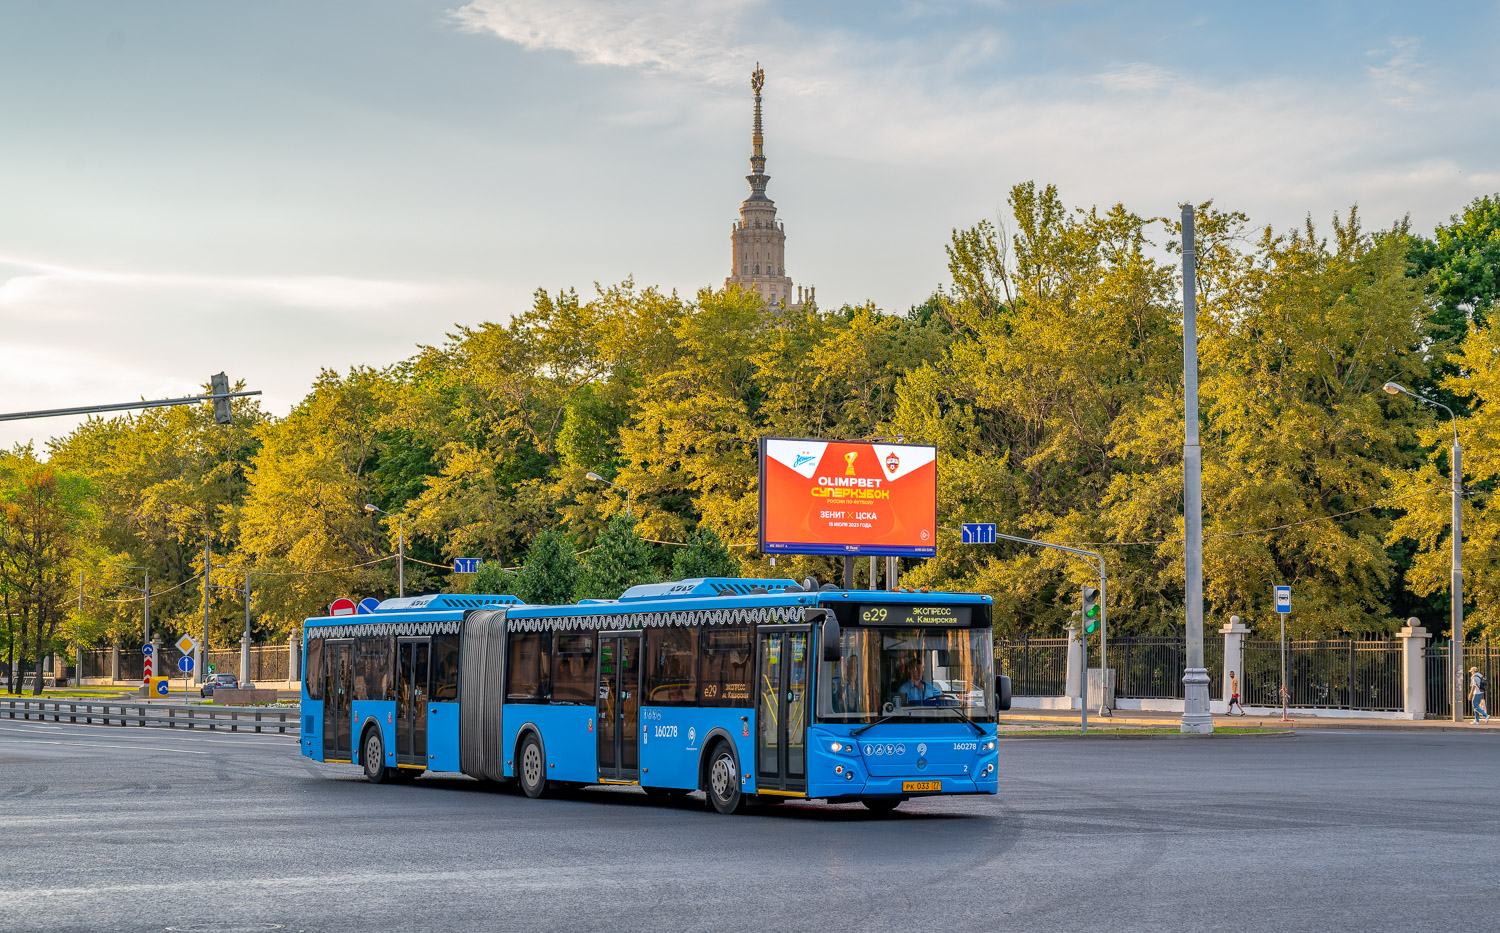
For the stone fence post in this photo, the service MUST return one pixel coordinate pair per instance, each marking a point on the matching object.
(293, 659)
(1072, 686)
(1234, 632)
(1413, 670)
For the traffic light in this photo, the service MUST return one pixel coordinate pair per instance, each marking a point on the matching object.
(1091, 611)
(220, 383)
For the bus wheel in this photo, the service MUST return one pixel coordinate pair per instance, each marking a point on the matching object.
(724, 781)
(373, 758)
(533, 769)
(882, 804)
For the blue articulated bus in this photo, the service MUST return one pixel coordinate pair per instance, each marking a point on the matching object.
(748, 690)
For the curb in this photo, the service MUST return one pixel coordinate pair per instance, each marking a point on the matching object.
(1296, 725)
(1150, 735)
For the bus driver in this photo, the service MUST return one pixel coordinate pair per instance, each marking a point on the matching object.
(916, 689)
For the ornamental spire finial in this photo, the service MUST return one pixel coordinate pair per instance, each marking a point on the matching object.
(758, 176)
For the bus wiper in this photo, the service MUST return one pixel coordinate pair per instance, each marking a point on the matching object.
(863, 729)
(961, 715)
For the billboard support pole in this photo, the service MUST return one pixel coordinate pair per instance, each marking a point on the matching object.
(891, 572)
(848, 573)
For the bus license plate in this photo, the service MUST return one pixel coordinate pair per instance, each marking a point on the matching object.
(921, 785)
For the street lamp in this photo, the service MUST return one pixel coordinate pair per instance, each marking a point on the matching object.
(599, 479)
(1455, 464)
(400, 546)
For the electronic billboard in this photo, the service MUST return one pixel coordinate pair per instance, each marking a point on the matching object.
(847, 497)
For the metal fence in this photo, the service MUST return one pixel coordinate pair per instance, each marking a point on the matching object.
(268, 663)
(1440, 679)
(1363, 675)
(1151, 667)
(1037, 667)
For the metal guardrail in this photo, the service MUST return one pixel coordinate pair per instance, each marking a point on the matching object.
(227, 718)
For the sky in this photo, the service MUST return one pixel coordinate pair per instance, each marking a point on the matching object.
(274, 188)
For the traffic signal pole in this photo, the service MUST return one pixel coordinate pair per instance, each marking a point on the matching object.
(1092, 556)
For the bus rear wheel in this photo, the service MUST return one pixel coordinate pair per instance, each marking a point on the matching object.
(531, 767)
(882, 804)
(373, 758)
(724, 793)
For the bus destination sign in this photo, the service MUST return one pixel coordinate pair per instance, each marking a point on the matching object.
(916, 615)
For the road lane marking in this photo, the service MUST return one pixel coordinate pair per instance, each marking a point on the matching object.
(149, 748)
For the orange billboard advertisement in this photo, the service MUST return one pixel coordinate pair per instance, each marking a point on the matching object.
(847, 497)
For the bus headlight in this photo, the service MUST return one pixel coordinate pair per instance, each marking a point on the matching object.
(847, 748)
(988, 746)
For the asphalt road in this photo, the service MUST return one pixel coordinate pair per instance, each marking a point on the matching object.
(111, 829)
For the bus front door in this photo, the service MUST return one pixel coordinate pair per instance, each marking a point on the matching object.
(619, 712)
(411, 701)
(781, 711)
(338, 690)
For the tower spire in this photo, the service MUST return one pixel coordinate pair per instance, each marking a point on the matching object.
(757, 176)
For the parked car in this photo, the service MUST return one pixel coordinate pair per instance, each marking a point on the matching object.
(227, 681)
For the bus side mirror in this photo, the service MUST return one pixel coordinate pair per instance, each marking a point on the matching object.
(830, 631)
(1002, 692)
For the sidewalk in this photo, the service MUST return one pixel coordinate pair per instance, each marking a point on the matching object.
(1301, 720)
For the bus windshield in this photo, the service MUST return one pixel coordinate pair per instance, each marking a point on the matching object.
(926, 673)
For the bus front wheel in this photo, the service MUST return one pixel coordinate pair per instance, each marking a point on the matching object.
(373, 758)
(532, 768)
(724, 792)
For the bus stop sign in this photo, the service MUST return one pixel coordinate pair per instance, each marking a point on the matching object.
(1283, 599)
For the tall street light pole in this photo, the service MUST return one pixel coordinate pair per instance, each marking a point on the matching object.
(599, 479)
(400, 546)
(1195, 714)
(1456, 468)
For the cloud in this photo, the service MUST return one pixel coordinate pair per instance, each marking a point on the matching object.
(1277, 146)
(26, 281)
(687, 37)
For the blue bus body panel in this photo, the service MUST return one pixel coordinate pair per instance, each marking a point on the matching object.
(382, 712)
(312, 727)
(891, 754)
(673, 739)
(568, 739)
(442, 736)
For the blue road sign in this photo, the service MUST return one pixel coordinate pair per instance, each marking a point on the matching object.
(161, 687)
(146, 650)
(1283, 599)
(975, 533)
(185, 663)
(366, 606)
(466, 564)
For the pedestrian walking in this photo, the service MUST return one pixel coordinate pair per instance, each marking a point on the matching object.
(1477, 683)
(1234, 695)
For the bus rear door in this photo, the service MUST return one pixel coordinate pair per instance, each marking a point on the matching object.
(338, 691)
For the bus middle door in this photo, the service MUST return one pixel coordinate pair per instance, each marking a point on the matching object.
(619, 706)
(781, 710)
(411, 701)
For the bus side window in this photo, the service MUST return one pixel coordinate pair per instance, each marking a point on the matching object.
(671, 666)
(530, 678)
(573, 668)
(312, 669)
(444, 669)
(726, 665)
(372, 667)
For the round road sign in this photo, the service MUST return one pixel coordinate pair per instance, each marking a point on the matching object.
(185, 663)
(161, 687)
(343, 606)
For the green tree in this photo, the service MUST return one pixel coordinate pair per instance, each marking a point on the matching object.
(44, 516)
(549, 575)
(493, 579)
(619, 560)
(704, 556)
